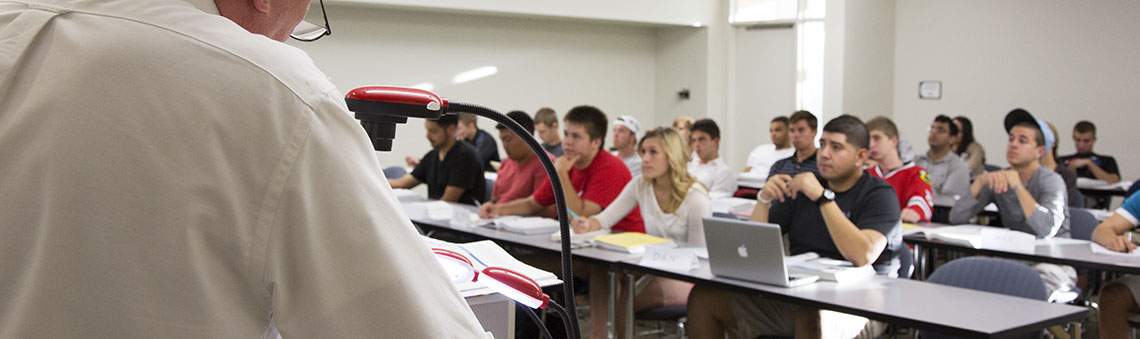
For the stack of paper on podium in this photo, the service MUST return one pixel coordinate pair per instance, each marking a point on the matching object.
(631, 242)
(485, 254)
(981, 237)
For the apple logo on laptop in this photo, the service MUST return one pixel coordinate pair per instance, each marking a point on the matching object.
(742, 251)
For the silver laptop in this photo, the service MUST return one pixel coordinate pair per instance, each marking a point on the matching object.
(750, 251)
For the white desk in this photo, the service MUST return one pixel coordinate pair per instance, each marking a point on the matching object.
(926, 306)
(955, 311)
(1072, 252)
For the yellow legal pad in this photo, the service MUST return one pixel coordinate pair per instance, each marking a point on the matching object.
(629, 242)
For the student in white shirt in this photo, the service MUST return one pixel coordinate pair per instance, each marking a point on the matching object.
(672, 204)
(761, 158)
(707, 166)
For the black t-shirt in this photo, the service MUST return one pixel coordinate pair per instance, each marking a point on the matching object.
(1107, 163)
(460, 168)
(870, 204)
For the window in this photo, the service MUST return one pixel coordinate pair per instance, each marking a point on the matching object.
(808, 18)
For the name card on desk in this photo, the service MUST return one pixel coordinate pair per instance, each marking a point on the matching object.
(1007, 240)
(672, 259)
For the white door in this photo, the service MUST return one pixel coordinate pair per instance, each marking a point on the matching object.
(764, 87)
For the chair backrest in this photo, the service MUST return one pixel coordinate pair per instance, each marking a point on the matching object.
(992, 275)
(1081, 223)
(487, 189)
(394, 172)
(906, 262)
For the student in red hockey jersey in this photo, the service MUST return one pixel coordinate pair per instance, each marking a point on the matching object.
(909, 180)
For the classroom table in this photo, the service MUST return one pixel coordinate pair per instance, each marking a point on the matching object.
(911, 303)
(1061, 251)
(897, 301)
(1100, 189)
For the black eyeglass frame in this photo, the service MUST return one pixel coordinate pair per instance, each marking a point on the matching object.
(327, 27)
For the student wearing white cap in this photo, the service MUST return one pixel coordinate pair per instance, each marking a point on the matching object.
(625, 143)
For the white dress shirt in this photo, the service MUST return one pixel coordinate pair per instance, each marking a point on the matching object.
(167, 174)
(762, 157)
(716, 175)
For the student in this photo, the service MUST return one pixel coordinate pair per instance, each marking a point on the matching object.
(965, 146)
(446, 169)
(948, 173)
(1049, 160)
(591, 178)
(625, 143)
(707, 166)
(803, 129)
(761, 158)
(546, 124)
(672, 203)
(1030, 198)
(909, 180)
(684, 125)
(468, 131)
(1085, 162)
(521, 172)
(848, 216)
(1121, 297)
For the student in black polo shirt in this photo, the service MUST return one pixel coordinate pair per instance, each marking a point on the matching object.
(451, 170)
(847, 215)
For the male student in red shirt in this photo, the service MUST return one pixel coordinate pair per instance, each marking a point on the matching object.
(591, 178)
(908, 179)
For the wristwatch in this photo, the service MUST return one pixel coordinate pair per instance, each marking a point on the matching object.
(828, 195)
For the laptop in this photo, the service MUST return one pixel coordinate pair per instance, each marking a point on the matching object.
(750, 251)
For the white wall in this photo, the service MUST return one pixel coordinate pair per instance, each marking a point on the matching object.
(1062, 60)
(868, 58)
(681, 64)
(541, 62)
(666, 12)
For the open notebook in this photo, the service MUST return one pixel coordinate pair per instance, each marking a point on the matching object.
(485, 254)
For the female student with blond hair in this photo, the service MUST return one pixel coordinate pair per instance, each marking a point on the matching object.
(672, 205)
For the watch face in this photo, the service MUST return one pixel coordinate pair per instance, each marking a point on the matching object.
(829, 194)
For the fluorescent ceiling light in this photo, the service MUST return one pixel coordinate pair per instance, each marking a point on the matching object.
(475, 74)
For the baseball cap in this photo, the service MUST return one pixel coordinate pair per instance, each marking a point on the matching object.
(629, 122)
(1020, 115)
